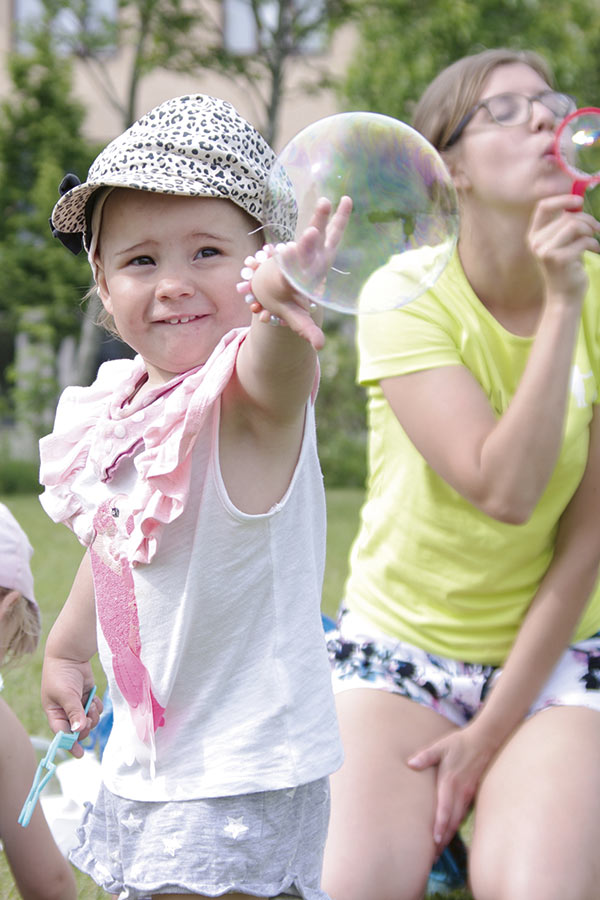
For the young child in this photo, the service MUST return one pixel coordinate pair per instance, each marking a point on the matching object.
(191, 476)
(39, 869)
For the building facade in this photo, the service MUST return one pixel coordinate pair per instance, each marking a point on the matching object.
(300, 106)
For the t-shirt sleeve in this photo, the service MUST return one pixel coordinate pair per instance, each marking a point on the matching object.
(420, 335)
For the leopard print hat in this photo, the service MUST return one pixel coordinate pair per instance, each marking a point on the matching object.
(195, 145)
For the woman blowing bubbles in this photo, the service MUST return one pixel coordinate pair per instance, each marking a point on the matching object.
(471, 603)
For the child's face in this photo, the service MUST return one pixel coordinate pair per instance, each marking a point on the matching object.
(168, 267)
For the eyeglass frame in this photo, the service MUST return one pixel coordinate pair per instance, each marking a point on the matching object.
(483, 104)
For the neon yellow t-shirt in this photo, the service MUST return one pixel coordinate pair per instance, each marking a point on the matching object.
(427, 566)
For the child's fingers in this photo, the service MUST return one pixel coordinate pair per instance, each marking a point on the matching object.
(300, 322)
(320, 216)
(94, 712)
(71, 715)
(58, 719)
(311, 332)
(306, 247)
(337, 225)
(76, 716)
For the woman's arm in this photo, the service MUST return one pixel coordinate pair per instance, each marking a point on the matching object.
(544, 634)
(503, 465)
(67, 676)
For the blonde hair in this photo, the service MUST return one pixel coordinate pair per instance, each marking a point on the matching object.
(458, 87)
(22, 622)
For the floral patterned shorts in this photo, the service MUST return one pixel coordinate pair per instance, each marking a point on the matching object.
(363, 657)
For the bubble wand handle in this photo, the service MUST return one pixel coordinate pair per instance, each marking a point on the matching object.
(47, 767)
(580, 186)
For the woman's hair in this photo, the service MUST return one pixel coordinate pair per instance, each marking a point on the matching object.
(457, 89)
(22, 622)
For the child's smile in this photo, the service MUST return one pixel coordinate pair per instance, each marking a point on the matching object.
(182, 320)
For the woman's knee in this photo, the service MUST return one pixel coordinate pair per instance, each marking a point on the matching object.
(380, 842)
(376, 882)
(536, 812)
(525, 879)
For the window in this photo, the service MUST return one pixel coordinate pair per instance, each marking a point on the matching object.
(306, 24)
(87, 17)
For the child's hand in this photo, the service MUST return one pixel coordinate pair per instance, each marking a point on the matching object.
(275, 300)
(65, 687)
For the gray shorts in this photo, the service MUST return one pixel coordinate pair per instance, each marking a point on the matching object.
(363, 657)
(262, 844)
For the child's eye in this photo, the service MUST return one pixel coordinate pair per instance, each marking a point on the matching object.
(206, 252)
(141, 261)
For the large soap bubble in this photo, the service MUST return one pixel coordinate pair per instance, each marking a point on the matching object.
(577, 146)
(404, 216)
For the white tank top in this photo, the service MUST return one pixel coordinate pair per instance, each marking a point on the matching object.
(219, 636)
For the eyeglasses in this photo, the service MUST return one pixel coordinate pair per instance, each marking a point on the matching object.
(515, 109)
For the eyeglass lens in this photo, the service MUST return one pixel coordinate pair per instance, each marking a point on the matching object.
(515, 109)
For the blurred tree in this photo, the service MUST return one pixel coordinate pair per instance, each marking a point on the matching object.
(254, 41)
(405, 43)
(248, 40)
(40, 139)
(340, 407)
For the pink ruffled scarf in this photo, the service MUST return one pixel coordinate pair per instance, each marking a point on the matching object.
(97, 426)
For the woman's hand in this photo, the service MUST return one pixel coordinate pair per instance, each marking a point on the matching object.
(558, 235)
(461, 759)
(66, 684)
(310, 258)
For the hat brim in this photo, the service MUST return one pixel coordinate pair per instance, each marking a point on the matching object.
(70, 212)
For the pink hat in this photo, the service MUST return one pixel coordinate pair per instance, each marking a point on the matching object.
(15, 553)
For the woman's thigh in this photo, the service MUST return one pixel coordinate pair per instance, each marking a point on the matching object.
(536, 816)
(380, 841)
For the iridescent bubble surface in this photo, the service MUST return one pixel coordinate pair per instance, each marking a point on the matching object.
(404, 216)
(578, 144)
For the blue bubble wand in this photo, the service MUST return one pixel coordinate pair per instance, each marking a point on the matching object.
(47, 767)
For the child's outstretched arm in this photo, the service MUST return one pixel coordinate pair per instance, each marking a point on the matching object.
(310, 256)
(276, 368)
(263, 406)
(67, 676)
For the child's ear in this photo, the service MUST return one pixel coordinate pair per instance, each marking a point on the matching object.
(102, 287)
(7, 602)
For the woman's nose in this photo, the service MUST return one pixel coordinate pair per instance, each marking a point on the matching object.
(542, 116)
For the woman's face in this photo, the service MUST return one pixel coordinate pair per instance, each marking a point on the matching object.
(509, 167)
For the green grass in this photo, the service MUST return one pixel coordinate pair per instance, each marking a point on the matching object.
(55, 561)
